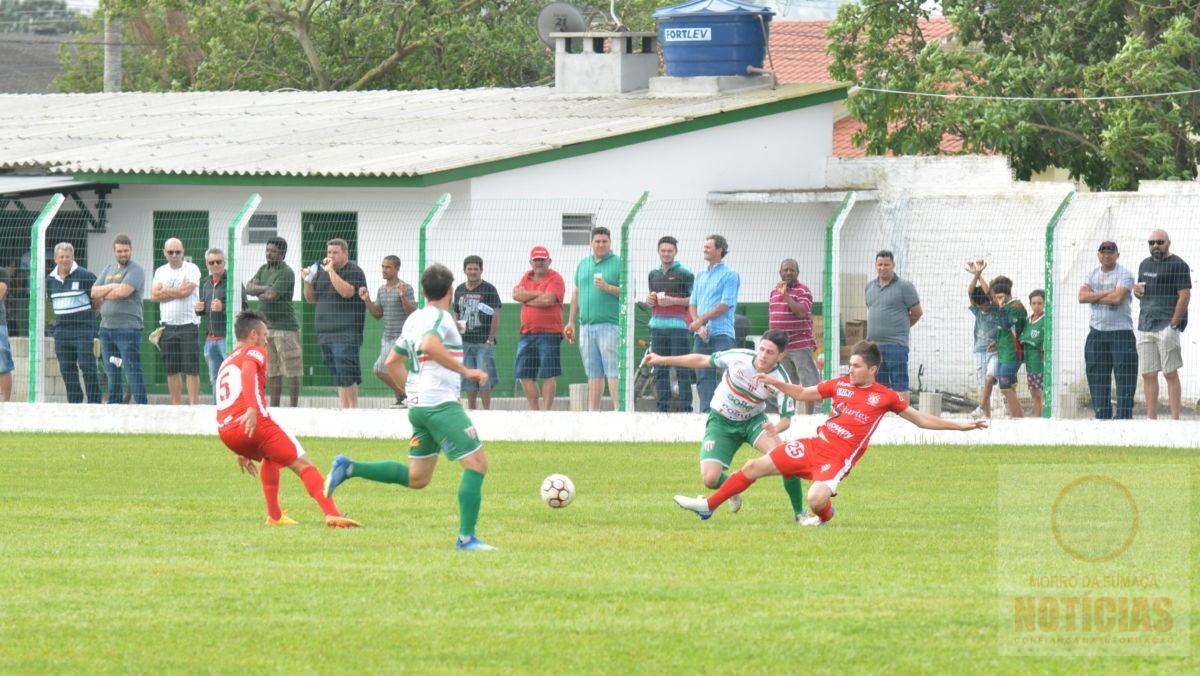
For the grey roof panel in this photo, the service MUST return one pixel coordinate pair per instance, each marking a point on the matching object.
(378, 133)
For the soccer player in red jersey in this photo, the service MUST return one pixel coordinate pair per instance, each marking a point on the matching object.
(247, 429)
(858, 404)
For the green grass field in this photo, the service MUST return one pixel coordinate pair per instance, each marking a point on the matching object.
(144, 554)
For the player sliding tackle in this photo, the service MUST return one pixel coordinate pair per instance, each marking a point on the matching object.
(737, 413)
(858, 405)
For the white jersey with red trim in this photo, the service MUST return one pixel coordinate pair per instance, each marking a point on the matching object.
(430, 383)
(241, 383)
(738, 397)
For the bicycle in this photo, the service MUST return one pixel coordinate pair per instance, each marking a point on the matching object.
(954, 403)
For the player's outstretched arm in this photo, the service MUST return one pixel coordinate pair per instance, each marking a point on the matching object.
(691, 361)
(793, 390)
(933, 422)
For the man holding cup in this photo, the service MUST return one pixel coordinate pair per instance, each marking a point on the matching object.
(1164, 288)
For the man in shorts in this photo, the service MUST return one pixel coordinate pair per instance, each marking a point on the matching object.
(247, 429)
(737, 412)
(596, 307)
(393, 303)
(275, 284)
(540, 292)
(1163, 289)
(333, 286)
(427, 362)
(176, 289)
(826, 459)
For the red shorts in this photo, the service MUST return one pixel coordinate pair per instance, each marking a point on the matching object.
(270, 441)
(813, 459)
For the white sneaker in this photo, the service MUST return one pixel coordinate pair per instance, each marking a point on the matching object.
(698, 504)
(809, 520)
(734, 502)
(977, 413)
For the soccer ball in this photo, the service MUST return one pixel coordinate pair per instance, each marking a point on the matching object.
(558, 490)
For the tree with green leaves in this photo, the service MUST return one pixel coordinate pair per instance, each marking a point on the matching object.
(38, 16)
(264, 45)
(1106, 89)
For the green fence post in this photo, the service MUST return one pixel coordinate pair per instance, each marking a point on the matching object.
(1048, 392)
(37, 297)
(236, 228)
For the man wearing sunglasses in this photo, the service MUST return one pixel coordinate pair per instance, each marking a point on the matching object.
(1164, 288)
(176, 288)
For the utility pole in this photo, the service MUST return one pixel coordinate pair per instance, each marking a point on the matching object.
(112, 53)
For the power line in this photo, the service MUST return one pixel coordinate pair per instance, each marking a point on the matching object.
(976, 97)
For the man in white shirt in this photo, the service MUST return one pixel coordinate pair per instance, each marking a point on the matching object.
(176, 289)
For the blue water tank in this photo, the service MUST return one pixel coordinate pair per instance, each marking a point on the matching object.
(713, 37)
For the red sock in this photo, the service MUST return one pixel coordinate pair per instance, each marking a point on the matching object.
(827, 513)
(314, 483)
(268, 473)
(736, 483)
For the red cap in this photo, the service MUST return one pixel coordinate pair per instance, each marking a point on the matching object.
(539, 252)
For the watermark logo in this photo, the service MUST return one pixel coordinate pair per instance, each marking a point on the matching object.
(1093, 560)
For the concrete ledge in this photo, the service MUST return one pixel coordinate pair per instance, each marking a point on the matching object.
(568, 426)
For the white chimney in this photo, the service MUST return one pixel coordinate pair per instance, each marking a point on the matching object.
(599, 62)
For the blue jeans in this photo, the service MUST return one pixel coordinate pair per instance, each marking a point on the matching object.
(893, 372)
(127, 345)
(73, 347)
(1109, 355)
(706, 378)
(483, 357)
(214, 353)
(671, 343)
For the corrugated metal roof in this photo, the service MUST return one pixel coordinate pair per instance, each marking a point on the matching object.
(334, 134)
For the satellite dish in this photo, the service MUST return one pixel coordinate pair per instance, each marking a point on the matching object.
(560, 17)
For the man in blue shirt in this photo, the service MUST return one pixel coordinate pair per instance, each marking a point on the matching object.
(69, 288)
(713, 304)
(1110, 352)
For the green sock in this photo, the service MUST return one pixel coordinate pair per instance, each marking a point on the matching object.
(384, 471)
(470, 497)
(721, 480)
(795, 491)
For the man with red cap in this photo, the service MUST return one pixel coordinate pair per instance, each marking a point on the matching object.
(540, 292)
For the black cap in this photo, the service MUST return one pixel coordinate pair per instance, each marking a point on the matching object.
(1108, 245)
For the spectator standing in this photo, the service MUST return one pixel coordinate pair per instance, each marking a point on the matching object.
(540, 292)
(118, 289)
(1164, 289)
(274, 285)
(1009, 352)
(893, 307)
(596, 304)
(712, 307)
(176, 288)
(1033, 340)
(670, 294)
(790, 310)
(393, 303)
(477, 303)
(1110, 352)
(340, 314)
(211, 309)
(69, 289)
(7, 366)
(987, 325)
